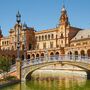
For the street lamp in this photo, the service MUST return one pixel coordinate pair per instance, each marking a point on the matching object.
(24, 29)
(18, 19)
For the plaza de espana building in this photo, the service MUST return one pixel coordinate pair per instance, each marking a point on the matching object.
(63, 39)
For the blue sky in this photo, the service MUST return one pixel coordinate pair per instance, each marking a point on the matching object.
(43, 14)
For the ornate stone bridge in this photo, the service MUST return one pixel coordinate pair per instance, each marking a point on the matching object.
(29, 66)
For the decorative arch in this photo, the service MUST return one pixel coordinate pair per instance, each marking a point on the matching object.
(51, 54)
(42, 54)
(37, 55)
(33, 56)
(70, 54)
(88, 52)
(82, 53)
(57, 53)
(76, 54)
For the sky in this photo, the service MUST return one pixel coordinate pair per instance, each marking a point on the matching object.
(43, 14)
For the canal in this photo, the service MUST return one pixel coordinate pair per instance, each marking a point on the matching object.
(70, 81)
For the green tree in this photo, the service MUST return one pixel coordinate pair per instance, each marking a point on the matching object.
(5, 64)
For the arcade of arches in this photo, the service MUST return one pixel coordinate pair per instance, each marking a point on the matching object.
(81, 53)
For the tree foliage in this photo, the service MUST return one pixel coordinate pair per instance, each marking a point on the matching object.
(5, 64)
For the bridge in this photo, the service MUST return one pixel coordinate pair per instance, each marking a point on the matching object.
(26, 68)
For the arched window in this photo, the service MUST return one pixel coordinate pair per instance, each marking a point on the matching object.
(52, 36)
(42, 38)
(61, 35)
(45, 37)
(57, 53)
(42, 54)
(33, 56)
(76, 55)
(51, 54)
(48, 36)
(37, 55)
(82, 54)
(39, 38)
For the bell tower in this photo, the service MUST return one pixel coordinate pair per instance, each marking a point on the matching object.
(63, 18)
(63, 29)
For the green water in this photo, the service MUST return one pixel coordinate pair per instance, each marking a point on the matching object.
(61, 83)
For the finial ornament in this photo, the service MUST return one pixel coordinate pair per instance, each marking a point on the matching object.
(63, 6)
(24, 25)
(18, 16)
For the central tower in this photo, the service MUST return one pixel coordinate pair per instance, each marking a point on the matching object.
(63, 29)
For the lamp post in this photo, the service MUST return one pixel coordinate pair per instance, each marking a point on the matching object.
(18, 19)
(18, 61)
(24, 29)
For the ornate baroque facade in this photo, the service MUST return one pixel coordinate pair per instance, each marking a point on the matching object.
(64, 39)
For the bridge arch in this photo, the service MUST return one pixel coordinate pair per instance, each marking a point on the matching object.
(77, 64)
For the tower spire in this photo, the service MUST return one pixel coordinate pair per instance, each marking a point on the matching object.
(64, 17)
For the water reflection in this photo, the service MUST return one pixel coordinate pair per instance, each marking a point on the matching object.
(60, 83)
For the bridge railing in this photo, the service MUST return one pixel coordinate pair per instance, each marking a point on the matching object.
(40, 60)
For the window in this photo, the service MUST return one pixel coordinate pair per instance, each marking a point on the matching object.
(44, 45)
(52, 36)
(2, 42)
(42, 38)
(61, 35)
(45, 37)
(48, 36)
(51, 44)
(39, 38)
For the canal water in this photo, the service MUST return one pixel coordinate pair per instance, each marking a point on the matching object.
(71, 81)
